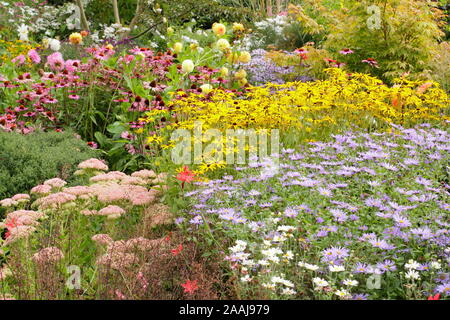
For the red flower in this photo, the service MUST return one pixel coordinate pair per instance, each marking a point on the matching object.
(435, 297)
(10, 225)
(178, 250)
(185, 176)
(190, 287)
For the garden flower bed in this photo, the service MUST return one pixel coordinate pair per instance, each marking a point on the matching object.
(216, 149)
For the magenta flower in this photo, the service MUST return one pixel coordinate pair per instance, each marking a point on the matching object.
(56, 61)
(34, 56)
(19, 59)
(346, 51)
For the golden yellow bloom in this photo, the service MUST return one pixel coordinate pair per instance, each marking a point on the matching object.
(223, 44)
(177, 47)
(224, 72)
(242, 82)
(238, 27)
(109, 46)
(241, 74)
(76, 38)
(219, 29)
(245, 57)
(233, 57)
(193, 46)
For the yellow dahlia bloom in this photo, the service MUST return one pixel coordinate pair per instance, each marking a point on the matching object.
(206, 88)
(223, 44)
(241, 74)
(187, 66)
(177, 47)
(245, 57)
(219, 29)
(238, 27)
(224, 71)
(76, 38)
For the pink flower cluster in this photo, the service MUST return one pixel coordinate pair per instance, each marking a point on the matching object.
(121, 255)
(50, 255)
(94, 164)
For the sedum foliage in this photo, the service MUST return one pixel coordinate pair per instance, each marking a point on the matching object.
(27, 160)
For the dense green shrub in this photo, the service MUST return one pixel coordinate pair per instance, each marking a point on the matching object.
(402, 35)
(205, 12)
(27, 160)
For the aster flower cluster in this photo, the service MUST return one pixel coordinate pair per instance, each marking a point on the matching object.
(263, 70)
(364, 216)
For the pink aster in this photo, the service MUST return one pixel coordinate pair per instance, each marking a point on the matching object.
(56, 61)
(19, 59)
(34, 56)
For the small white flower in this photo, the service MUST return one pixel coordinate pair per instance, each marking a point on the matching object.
(412, 274)
(435, 265)
(342, 293)
(288, 255)
(54, 44)
(23, 32)
(288, 291)
(350, 282)
(286, 228)
(320, 282)
(311, 267)
(246, 278)
(336, 268)
(411, 264)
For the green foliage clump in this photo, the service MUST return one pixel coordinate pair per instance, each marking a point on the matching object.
(27, 160)
(401, 35)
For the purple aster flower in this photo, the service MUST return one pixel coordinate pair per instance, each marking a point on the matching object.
(401, 221)
(444, 288)
(339, 215)
(386, 265)
(361, 268)
(424, 181)
(290, 212)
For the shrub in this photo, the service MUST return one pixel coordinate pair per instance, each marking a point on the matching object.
(401, 35)
(26, 160)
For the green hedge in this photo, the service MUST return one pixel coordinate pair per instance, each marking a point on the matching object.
(28, 160)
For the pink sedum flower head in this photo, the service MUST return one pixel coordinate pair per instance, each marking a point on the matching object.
(48, 255)
(144, 174)
(94, 164)
(112, 212)
(21, 197)
(55, 183)
(42, 189)
(102, 239)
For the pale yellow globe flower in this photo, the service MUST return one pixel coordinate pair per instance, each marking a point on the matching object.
(223, 44)
(177, 47)
(245, 57)
(187, 66)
